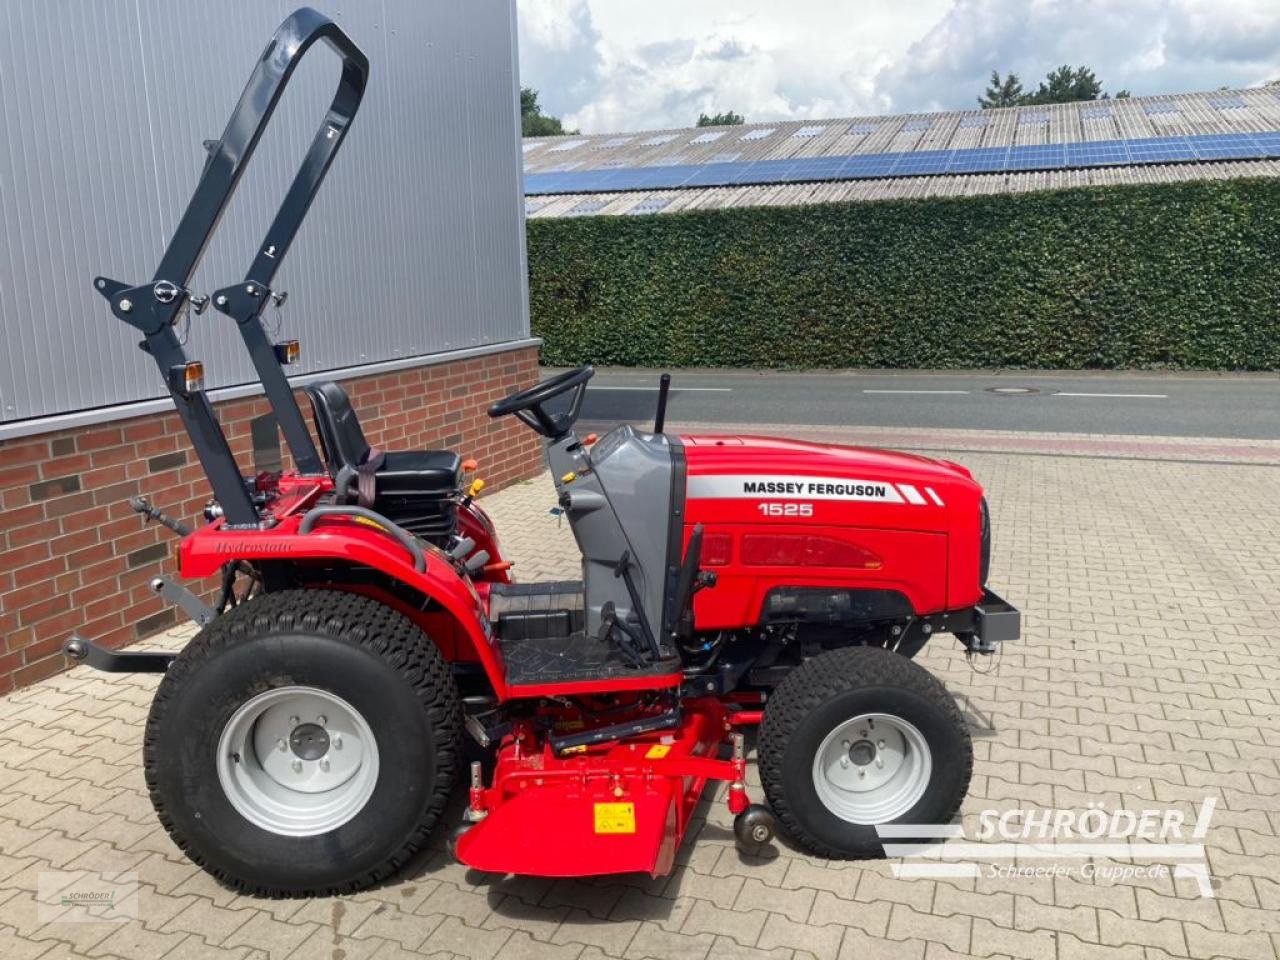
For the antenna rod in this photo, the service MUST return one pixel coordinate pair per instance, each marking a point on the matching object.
(664, 387)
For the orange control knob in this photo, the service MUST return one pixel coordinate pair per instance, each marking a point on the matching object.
(469, 464)
(591, 438)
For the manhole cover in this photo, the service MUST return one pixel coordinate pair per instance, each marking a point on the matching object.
(1013, 391)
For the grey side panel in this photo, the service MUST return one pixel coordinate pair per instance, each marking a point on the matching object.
(621, 501)
(414, 246)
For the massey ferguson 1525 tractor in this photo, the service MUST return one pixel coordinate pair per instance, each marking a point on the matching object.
(308, 738)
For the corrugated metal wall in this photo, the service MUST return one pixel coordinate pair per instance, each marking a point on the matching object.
(415, 244)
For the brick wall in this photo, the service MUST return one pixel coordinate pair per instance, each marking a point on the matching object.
(74, 556)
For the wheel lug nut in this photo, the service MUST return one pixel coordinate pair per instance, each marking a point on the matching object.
(845, 744)
(322, 719)
(879, 763)
(337, 743)
(282, 744)
(324, 766)
(880, 744)
(294, 721)
(844, 761)
(862, 773)
(297, 766)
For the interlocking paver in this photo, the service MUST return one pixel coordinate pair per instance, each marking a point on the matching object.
(1148, 676)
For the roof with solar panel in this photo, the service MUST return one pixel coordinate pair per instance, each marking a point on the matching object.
(1194, 136)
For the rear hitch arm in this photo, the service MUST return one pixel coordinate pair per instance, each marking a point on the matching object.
(117, 661)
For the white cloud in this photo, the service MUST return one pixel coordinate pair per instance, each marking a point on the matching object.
(610, 65)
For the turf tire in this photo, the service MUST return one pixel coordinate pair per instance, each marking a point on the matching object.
(352, 646)
(827, 690)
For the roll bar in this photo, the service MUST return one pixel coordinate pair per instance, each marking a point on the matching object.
(156, 307)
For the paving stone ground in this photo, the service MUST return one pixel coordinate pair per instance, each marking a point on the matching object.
(1146, 679)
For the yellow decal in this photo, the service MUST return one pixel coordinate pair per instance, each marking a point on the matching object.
(658, 751)
(615, 818)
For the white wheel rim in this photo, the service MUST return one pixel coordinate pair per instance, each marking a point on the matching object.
(872, 768)
(297, 761)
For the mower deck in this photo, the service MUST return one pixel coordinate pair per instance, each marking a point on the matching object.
(621, 807)
(539, 628)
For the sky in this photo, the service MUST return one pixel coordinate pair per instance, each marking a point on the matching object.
(618, 65)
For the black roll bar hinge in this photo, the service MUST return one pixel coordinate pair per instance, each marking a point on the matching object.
(149, 307)
(245, 300)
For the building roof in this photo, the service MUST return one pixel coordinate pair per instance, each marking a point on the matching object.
(1223, 134)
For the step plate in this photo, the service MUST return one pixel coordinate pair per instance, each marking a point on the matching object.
(577, 658)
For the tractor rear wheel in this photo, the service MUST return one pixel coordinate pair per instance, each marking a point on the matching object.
(303, 743)
(859, 737)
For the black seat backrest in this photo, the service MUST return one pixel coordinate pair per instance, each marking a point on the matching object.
(339, 427)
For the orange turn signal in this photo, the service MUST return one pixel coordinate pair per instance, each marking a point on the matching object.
(288, 351)
(187, 378)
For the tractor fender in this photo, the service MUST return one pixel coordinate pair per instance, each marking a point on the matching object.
(203, 553)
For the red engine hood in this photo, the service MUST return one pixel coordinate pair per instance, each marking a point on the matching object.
(710, 454)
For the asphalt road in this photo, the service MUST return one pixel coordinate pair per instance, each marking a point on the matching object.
(1183, 405)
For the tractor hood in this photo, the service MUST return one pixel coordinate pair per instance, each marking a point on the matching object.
(775, 456)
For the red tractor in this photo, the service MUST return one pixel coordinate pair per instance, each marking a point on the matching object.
(368, 633)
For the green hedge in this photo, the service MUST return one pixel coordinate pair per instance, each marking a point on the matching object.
(1171, 275)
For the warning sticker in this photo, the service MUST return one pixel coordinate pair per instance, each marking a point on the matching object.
(657, 751)
(615, 818)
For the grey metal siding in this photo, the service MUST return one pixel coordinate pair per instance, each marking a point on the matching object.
(414, 246)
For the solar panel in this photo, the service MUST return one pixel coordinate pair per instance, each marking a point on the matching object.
(1230, 102)
(708, 137)
(862, 129)
(920, 163)
(658, 140)
(1032, 116)
(727, 169)
(1095, 113)
(587, 206)
(759, 133)
(613, 142)
(567, 145)
(1041, 156)
(970, 122)
(1160, 108)
(812, 131)
(917, 125)
(649, 205)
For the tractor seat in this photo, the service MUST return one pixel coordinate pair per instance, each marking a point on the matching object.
(414, 488)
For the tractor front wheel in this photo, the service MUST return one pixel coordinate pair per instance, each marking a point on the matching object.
(860, 737)
(303, 743)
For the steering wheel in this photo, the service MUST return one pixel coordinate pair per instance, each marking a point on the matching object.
(527, 404)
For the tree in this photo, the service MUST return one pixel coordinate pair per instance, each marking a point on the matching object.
(535, 123)
(1002, 93)
(1064, 85)
(1067, 85)
(726, 119)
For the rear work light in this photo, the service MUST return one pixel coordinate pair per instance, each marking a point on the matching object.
(187, 378)
(288, 351)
